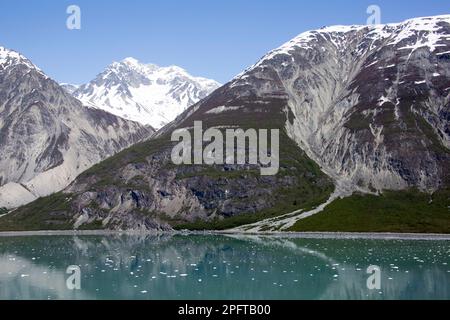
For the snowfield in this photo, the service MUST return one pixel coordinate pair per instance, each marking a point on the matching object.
(145, 93)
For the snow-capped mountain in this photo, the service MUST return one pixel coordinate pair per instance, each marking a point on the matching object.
(144, 93)
(47, 137)
(370, 104)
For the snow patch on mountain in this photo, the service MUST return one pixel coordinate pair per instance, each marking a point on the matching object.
(10, 58)
(222, 109)
(426, 27)
(323, 72)
(146, 93)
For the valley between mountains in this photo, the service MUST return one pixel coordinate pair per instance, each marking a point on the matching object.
(363, 114)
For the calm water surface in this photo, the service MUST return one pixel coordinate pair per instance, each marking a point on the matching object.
(221, 267)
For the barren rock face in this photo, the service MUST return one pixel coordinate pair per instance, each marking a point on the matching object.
(370, 104)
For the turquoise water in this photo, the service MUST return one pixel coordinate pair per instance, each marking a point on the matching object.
(221, 267)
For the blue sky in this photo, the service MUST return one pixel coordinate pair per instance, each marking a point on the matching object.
(211, 38)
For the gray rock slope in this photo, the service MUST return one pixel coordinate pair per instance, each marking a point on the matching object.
(370, 104)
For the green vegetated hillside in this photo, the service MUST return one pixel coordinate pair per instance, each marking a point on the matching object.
(393, 211)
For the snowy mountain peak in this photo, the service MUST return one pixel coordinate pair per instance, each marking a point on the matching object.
(411, 34)
(424, 23)
(131, 64)
(131, 61)
(356, 91)
(9, 58)
(145, 93)
(400, 30)
(6, 54)
(419, 24)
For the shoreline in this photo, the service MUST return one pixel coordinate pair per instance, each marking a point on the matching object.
(346, 235)
(297, 235)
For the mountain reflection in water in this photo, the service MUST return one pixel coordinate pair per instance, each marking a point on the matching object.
(221, 267)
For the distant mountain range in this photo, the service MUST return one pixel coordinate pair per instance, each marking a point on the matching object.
(144, 93)
(362, 111)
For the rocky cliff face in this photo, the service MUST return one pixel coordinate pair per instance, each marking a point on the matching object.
(47, 137)
(370, 104)
(366, 107)
(146, 93)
